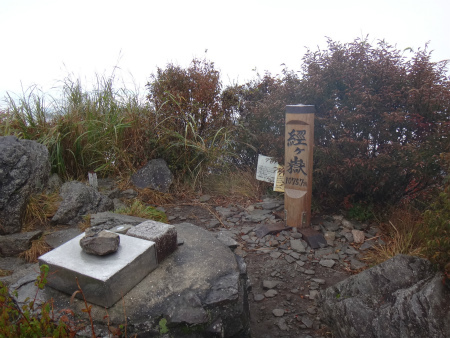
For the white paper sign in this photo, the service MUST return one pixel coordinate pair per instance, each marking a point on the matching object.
(266, 169)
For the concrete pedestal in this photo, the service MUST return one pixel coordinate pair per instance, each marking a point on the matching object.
(103, 279)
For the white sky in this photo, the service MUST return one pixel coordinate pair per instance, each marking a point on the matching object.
(43, 41)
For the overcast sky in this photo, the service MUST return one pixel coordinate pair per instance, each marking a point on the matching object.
(43, 41)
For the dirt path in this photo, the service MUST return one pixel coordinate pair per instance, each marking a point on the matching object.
(284, 282)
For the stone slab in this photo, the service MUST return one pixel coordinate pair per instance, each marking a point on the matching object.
(265, 229)
(60, 237)
(105, 279)
(314, 238)
(164, 236)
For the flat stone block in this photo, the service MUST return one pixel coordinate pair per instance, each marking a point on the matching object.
(103, 279)
(313, 237)
(164, 235)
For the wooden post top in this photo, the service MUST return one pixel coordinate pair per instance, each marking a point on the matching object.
(300, 109)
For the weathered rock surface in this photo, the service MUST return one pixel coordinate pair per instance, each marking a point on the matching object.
(101, 243)
(200, 290)
(164, 236)
(79, 200)
(62, 236)
(54, 184)
(108, 220)
(24, 170)
(12, 245)
(402, 297)
(155, 175)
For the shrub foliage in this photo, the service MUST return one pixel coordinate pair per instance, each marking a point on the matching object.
(382, 119)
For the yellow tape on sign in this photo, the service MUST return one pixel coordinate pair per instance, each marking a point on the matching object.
(278, 185)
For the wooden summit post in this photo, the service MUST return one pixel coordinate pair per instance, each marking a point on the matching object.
(298, 165)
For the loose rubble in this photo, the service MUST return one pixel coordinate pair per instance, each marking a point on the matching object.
(287, 275)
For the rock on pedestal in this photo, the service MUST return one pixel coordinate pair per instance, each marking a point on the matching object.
(164, 235)
(104, 279)
(200, 289)
(101, 243)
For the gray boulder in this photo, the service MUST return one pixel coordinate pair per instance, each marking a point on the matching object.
(402, 297)
(155, 175)
(12, 245)
(78, 200)
(24, 170)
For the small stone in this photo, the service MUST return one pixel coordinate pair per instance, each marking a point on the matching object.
(330, 236)
(311, 310)
(270, 293)
(309, 272)
(307, 321)
(101, 243)
(328, 263)
(322, 252)
(281, 323)
(347, 224)
(129, 194)
(314, 286)
(300, 263)
(331, 256)
(289, 259)
(204, 198)
(351, 251)
(275, 254)
(366, 245)
(270, 284)
(258, 297)
(212, 224)
(294, 255)
(358, 236)
(313, 294)
(356, 265)
(278, 312)
(297, 246)
(296, 235)
(318, 281)
(246, 230)
(349, 237)
(331, 226)
(121, 229)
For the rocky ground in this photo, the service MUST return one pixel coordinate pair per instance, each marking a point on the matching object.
(285, 273)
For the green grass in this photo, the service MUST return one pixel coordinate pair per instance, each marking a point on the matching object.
(138, 209)
(103, 130)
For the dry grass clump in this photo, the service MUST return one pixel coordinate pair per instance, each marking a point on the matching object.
(4, 273)
(236, 184)
(154, 197)
(86, 223)
(38, 248)
(402, 236)
(40, 209)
